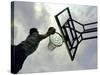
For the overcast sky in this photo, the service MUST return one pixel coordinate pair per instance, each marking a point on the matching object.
(41, 16)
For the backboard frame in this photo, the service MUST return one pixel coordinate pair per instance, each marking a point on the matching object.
(65, 34)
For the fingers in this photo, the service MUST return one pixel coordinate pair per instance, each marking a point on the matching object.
(53, 31)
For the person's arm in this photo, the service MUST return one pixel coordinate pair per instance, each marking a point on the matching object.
(43, 36)
(50, 31)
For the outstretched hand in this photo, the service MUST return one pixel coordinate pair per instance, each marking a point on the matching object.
(51, 30)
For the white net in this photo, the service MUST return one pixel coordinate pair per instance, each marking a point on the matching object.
(55, 40)
(51, 46)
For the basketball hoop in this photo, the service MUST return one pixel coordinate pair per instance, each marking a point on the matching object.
(55, 40)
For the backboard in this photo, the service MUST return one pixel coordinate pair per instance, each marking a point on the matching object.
(73, 31)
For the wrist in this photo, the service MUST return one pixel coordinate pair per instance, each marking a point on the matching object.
(48, 33)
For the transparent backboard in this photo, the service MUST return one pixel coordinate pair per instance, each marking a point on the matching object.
(66, 28)
(73, 31)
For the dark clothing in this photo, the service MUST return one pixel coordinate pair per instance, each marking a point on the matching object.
(31, 43)
(17, 58)
(20, 52)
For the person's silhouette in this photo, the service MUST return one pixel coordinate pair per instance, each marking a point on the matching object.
(20, 52)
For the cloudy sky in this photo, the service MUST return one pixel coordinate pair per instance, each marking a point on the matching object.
(41, 15)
